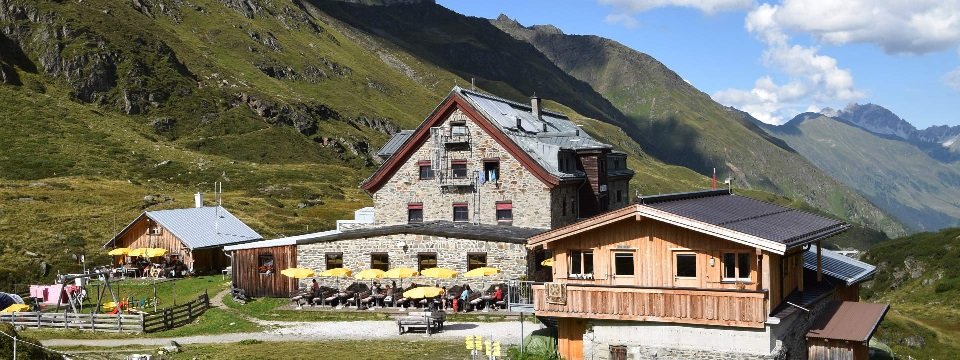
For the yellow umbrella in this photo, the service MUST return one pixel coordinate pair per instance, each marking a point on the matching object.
(16, 308)
(481, 272)
(298, 273)
(439, 273)
(137, 252)
(547, 262)
(369, 274)
(422, 292)
(337, 272)
(155, 252)
(400, 273)
(119, 251)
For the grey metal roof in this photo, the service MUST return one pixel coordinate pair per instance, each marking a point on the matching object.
(204, 227)
(742, 214)
(485, 232)
(542, 138)
(840, 267)
(394, 143)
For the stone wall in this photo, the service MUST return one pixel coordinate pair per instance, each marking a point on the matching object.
(792, 331)
(563, 195)
(511, 259)
(654, 340)
(530, 196)
(623, 186)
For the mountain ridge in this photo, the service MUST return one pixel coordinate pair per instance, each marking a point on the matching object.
(940, 141)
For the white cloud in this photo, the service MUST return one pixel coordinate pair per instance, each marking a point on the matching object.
(625, 10)
(813, 79)
(707, 6)
(952, 79)
(622, 19)
(897, 26)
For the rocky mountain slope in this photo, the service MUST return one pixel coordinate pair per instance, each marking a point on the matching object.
(921, 192)
(681, 125)
(940, 142)
(111, 108)
(919, 276)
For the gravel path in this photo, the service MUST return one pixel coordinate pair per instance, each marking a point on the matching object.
(505, 332)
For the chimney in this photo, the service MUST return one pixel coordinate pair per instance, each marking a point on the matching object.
(535, 107)
(198, 200)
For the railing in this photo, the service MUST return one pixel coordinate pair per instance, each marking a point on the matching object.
(164, 319)
(690, 306)
(176, 316)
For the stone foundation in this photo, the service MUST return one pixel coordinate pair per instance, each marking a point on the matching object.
(652, 340)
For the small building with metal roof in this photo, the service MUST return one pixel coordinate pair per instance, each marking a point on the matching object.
(194, 237)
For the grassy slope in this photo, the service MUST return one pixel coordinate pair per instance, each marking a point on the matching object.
(919, 275)
(884, 170)
(681, 125)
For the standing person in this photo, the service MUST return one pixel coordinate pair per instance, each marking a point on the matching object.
(464, 295)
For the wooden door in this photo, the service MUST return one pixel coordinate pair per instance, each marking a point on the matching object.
(570, 338)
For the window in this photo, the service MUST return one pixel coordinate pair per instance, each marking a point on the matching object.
(334, 260)
(619, 196)
(581, 264)
(491, 170)
(415, 213)
(623, 263)
(426, 261)
(265, 264)
(505, 212)
(426, 170)
(380, 261)
(686, 265)
(458, 129)
(476, 260)
(460, 212)
(458, 169)
(563, 207)
(736, 266)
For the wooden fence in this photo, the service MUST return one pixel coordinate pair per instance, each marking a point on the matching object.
(160, 320)
(176, 316)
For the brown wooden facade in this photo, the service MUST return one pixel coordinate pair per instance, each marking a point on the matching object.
(145, 233)
(256, 282)
(826, 349)
(654, 291)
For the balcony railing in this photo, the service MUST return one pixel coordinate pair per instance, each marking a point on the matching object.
(688, 306)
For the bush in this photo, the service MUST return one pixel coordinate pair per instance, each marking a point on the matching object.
(24, 351)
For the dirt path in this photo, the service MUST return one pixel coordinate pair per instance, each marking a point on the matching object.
(505, 332)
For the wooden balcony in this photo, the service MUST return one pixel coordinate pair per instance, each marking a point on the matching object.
(685, 306)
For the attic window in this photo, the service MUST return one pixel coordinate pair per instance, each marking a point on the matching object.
(415, 213)
(505, 212)
(458, 129)
(491, 170)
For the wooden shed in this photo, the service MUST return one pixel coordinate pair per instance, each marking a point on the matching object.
(255, 267)
(844, 330)
(195, 236)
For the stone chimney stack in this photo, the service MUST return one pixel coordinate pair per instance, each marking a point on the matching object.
(535, 107)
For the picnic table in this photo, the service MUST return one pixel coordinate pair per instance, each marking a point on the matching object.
(430, 321)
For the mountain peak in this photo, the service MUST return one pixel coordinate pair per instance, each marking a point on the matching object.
(874, 118)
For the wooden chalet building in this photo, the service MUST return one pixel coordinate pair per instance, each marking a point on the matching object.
(196, 236)
(696, 275)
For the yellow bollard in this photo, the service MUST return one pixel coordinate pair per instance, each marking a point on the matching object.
(469, 342)
(478, 344)
(496, 350)
(487, 349)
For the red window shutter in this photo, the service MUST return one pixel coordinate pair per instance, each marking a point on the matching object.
(423, 162)
(458, 204)
(415, 206)
(459, 161)
(505, 206)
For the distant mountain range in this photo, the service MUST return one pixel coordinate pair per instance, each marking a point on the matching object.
(941, 142)
(885, 158)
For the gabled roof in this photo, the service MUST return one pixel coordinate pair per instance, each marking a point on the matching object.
(484, 232)
(843, 268)
(199, 228)
(535, 142)
(717, 213)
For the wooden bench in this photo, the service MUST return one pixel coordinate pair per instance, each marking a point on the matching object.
(430, 321)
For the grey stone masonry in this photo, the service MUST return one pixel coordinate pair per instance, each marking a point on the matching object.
(530, 197)
(403, 250)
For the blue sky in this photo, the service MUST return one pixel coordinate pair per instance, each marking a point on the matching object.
(770, 59)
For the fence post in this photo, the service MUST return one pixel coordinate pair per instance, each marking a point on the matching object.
(14, 348)
(92, 322)
(38, 319)
(143, 328)
(65, 322)
(190, 310)
(120, 322)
